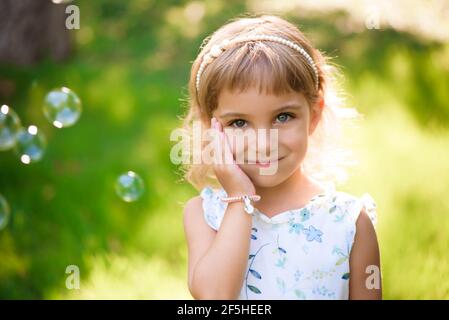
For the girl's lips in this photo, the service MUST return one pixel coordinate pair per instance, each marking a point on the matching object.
(267, 164)
(264, 165)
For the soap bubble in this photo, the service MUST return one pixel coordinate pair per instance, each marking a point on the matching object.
(9, 127)
(129, 186)
(4, 212)
(30, 145)
(62, 107)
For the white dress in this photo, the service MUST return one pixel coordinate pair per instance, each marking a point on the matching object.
(300, 253)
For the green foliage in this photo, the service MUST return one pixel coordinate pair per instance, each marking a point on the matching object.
(130, 70)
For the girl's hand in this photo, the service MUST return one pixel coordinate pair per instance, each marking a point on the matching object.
(232, 178)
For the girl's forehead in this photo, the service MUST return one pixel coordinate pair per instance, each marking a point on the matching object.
(252, 101)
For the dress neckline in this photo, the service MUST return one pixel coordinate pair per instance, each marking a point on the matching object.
(283, 216)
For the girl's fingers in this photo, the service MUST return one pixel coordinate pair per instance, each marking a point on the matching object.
(222, 152)
(226, 147)
(219, 126)
(218, 145)
(229, 157)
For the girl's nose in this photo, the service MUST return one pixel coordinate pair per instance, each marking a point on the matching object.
(265, 145)
(255, 144)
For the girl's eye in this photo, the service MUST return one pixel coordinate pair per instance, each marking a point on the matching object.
(239, 123)
(283, 117)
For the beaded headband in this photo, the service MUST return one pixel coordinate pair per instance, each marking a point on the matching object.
(217, 49)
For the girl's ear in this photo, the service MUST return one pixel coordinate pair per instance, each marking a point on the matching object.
(315, 114)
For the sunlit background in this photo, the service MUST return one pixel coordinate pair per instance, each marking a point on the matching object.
(129, 64)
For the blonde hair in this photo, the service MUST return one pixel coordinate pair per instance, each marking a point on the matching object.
(275, 69)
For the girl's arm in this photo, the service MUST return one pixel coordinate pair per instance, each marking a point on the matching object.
(365, 277)
(217, 260)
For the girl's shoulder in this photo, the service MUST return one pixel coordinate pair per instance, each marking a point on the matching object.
(343, 206)
(213, 207)
(350, 205)
(207, 206)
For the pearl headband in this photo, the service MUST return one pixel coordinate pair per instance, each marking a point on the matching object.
(217, 49)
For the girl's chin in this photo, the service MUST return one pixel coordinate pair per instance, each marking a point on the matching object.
(267, 181)
(265, 178)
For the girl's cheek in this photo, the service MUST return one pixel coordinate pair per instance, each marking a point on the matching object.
(297, 138)
(241, 150)
(238, 144)
(231, 140)
(299, 130)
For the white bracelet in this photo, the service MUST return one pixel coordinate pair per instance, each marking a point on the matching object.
(246, 201)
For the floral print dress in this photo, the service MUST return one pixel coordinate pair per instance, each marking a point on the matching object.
(301, 253)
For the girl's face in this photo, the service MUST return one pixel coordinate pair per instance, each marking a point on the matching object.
(290, 115)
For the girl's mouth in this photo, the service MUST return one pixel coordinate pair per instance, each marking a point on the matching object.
(267, 164)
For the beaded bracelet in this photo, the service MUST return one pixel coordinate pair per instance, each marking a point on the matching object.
(246, 201)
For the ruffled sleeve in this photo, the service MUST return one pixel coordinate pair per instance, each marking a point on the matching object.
(213, 207)
(367, 202)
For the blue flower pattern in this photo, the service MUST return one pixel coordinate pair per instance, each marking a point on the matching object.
(313, 234)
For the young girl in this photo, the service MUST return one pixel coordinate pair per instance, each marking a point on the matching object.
(288, 234)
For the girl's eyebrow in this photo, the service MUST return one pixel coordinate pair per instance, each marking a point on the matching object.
(237, 114)
(289, 106)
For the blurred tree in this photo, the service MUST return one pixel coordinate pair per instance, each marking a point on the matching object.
(31, 29)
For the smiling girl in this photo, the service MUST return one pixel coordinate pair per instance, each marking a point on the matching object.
(288, 234)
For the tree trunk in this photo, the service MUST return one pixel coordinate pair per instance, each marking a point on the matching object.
(31, 30)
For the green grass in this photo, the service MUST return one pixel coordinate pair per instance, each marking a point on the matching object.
(130, 70)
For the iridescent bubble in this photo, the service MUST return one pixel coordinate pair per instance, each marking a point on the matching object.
(9, 127)
(30, 145)
(129, 186)
(4, 212)
(62, 107)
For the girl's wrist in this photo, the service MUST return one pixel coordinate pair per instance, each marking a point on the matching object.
(239, 193)
(246, 199)
(241, 206)
(241, 198)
